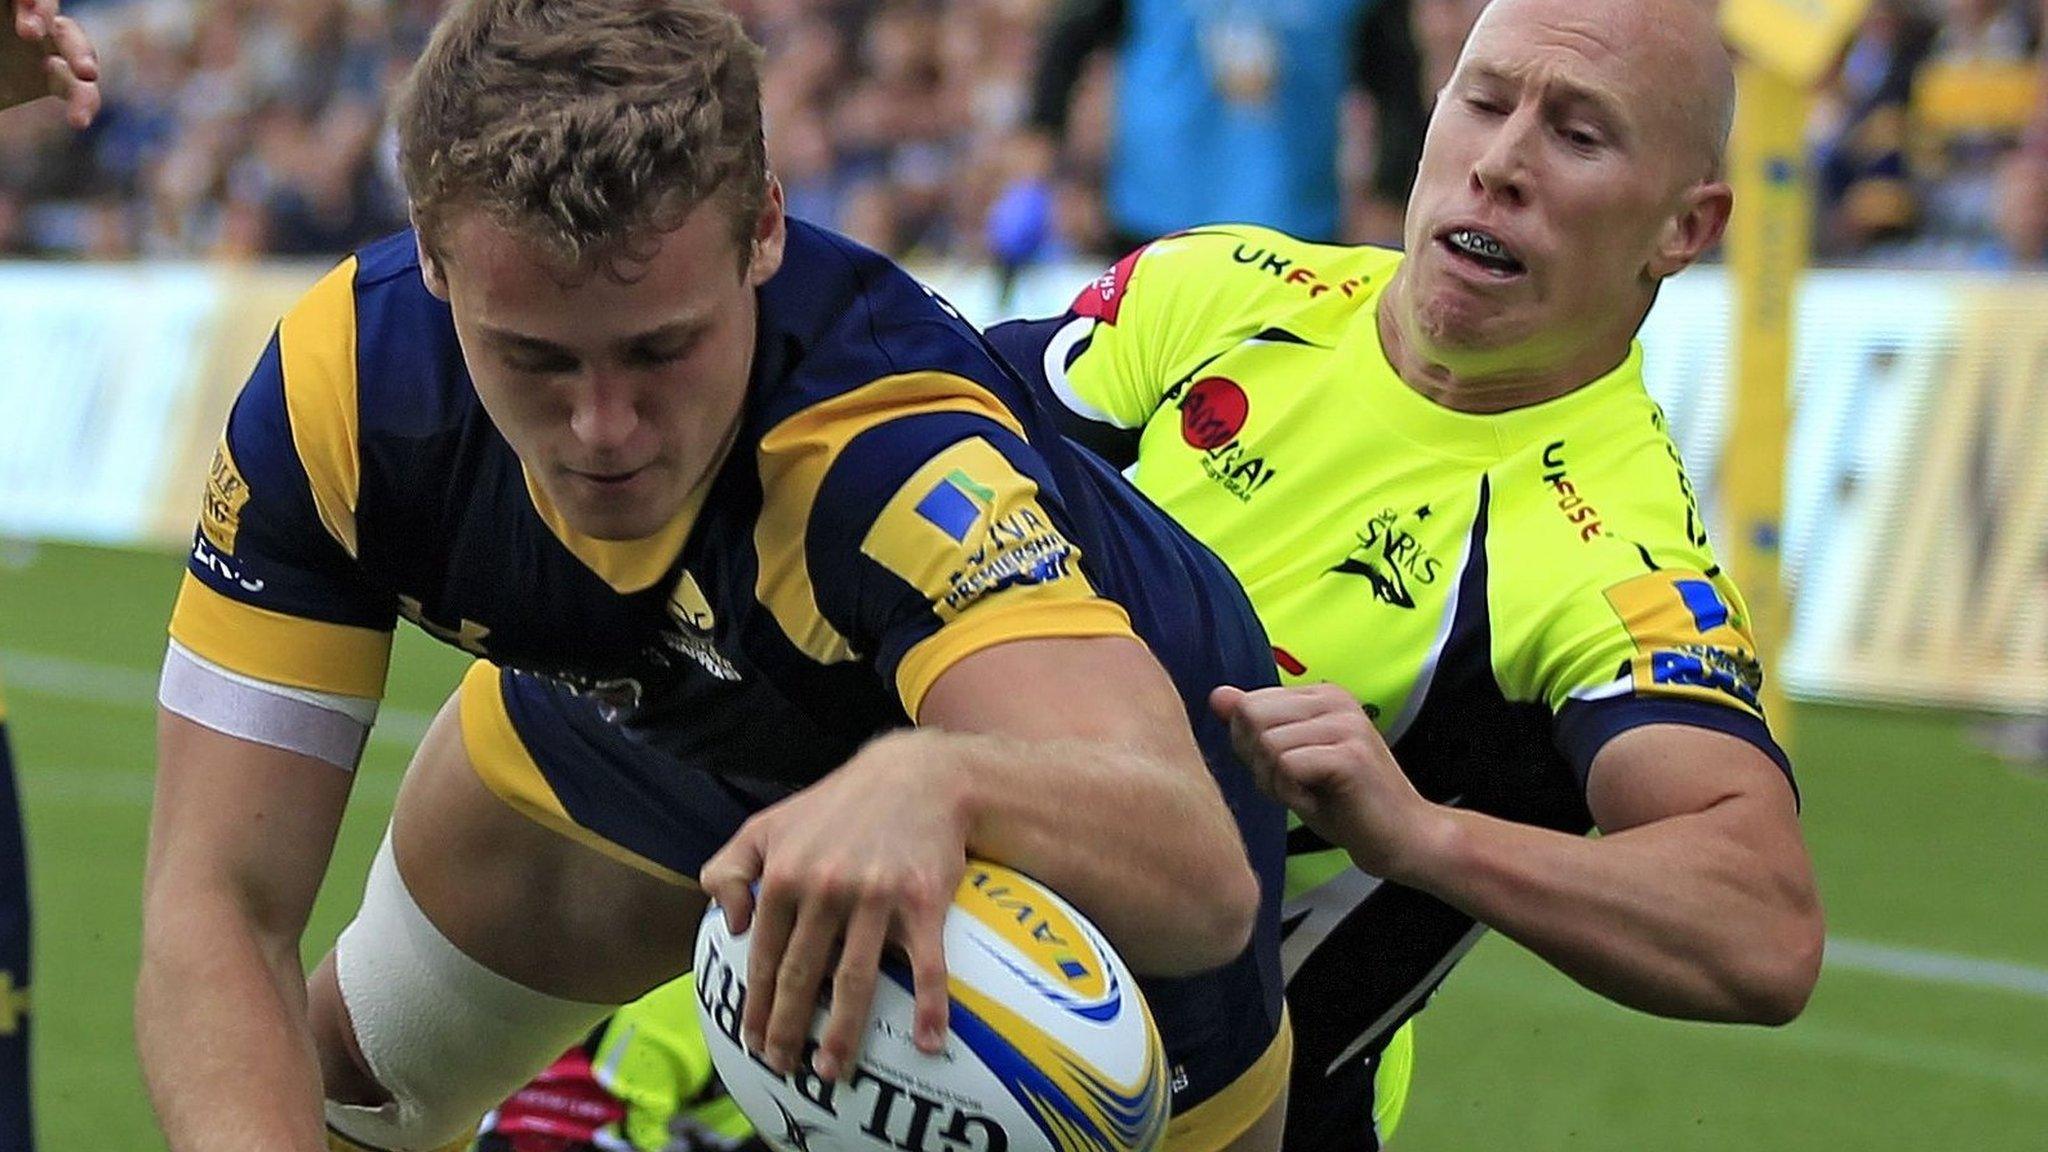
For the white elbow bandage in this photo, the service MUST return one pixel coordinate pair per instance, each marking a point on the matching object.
(448, 1038)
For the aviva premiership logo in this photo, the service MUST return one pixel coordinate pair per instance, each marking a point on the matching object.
(1065, 967)
(1019, 546)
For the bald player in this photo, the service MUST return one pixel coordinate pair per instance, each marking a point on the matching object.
(1498, 616)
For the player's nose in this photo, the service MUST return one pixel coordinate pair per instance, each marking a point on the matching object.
(606, 411)
(1501, 169)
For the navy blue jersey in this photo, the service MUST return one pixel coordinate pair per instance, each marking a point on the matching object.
(895, 500)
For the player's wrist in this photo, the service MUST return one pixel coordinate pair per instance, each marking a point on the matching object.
(1426, 850)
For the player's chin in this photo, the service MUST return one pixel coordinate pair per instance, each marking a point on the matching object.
(617, 511)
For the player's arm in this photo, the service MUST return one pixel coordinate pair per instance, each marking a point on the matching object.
(239, 839)
(1698, 899)
(1047, 738)
(1068, 759)
(278, 651)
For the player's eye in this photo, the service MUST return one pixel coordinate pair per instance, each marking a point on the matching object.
(1486, 105)
(1584, 139)
(539, 364)
(656, 357)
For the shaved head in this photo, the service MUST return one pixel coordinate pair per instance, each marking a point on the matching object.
(1678, 72)
(1573, 162)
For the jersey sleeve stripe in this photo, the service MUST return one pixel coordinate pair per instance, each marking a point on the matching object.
(505, 766)
(280, 649)
(794, 458)
(213, 697)
(1585, 727)
(993, 624)
(317, 341)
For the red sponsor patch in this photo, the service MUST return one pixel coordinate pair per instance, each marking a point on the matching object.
(1104, 296)
(1213, 412)
(1288, 663)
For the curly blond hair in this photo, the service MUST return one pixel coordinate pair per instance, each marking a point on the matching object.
(587, 127)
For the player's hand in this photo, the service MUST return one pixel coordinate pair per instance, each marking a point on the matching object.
(46, 54)
(1312, 748)
(868, 856)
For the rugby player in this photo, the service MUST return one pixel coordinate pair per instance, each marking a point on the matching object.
(1491, 594)
(723, 503)
(49, 55)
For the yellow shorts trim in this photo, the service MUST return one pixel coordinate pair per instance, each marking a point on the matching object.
(1222, 1118)
(509, 771)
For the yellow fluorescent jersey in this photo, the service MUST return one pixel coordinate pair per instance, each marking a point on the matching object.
(1503, 593)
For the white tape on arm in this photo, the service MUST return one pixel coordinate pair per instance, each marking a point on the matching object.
(323, 725)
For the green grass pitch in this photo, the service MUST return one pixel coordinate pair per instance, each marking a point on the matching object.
(1929, 1029)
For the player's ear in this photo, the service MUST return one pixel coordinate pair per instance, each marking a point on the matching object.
(430, 266)
(1693, 230)
(764, 256)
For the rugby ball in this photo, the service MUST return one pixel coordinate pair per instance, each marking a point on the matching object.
(1049, 1048)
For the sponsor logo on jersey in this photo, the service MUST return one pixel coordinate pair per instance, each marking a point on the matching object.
(956, 504)
(1288, 270)
(466, 634)
(1103, 298)
(1020, 548)
(1391, 558)
(1695, 524)
(1213, 411)
(690, 617)
(220, 515)
(1690, 640)
(204, 554)
(1570, 503)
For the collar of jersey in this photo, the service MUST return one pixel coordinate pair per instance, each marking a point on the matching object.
(627, 565)
(1483, 436)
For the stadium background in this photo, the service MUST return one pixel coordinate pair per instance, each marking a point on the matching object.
(242, 148)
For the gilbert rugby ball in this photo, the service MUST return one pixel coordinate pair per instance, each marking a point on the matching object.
(1049, 1047)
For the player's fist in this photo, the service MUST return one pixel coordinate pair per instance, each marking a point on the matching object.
(1312, 748)
(48, 55)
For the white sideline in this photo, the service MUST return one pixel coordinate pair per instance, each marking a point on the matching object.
(36, 674)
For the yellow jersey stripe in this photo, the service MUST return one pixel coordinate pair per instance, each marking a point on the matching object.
(1078, 614)
(505, 766)
(1222, 1118)
(794, 457)
(629, 566)
(320, 396)
(280, 649)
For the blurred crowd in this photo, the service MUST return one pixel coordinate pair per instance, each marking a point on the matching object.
(244, 128)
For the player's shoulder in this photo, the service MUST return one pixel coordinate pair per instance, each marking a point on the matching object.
(370, 345)
(1598, 485)
(845, 331)
(1248, 265)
